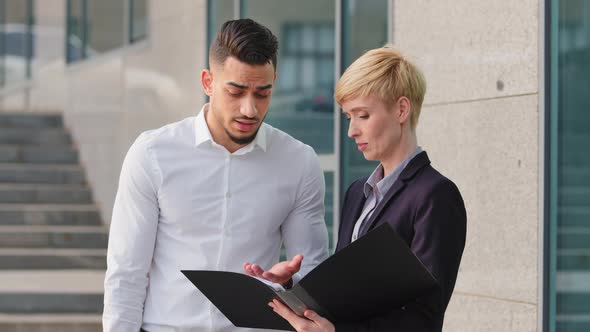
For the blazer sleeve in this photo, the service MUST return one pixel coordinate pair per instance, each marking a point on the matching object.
(439, 238)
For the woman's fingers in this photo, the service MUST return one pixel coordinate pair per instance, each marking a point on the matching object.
(324, 324)
(311, 322)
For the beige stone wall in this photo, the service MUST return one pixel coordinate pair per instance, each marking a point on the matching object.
(480, 126)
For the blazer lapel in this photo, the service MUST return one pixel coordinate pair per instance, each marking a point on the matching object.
(357, 201)
(397, 186)
(413, 167)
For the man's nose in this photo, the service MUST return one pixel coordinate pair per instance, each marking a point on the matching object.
(248, 108)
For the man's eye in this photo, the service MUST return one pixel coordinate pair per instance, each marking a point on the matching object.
(234, 94)
(364, 116)
(262, 96)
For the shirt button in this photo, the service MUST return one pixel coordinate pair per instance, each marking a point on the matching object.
(227, 195)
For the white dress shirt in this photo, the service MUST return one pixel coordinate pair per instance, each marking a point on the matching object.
(185, 202)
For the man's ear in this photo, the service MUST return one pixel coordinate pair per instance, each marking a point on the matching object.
(404, 109)
(207, 81)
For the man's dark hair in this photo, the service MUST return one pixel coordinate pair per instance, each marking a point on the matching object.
(246, 40)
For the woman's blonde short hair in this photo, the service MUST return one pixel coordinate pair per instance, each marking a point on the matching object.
(387, 74)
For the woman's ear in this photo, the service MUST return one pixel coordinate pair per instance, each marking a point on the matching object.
(404, 109)
(207, 81)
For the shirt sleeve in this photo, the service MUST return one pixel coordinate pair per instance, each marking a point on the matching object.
(304, 231)
(131, 240)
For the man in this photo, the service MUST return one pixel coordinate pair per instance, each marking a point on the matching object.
(381, 94)
(209, 193)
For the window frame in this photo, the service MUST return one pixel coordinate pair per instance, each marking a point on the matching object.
(128, 38)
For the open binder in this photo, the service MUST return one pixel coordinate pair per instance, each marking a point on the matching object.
(373, 275)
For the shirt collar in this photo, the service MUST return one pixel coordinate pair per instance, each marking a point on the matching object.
(203, 134)
(380, 185)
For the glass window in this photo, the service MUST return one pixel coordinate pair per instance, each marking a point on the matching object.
(95, 27)
(363, 28)
(105, 26)
(302, 103)
(16, 40)
(569, 167)
(75, 30)
(138, 20)
(220, 11)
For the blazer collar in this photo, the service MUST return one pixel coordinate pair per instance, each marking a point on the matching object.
(420, 161)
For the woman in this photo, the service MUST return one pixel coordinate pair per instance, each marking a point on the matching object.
(381, 94)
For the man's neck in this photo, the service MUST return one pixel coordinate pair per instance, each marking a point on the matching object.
(218, 134)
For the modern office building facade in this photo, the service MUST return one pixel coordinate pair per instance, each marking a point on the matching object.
(505, 115)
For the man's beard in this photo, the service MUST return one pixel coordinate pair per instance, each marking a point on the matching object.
(244, 140)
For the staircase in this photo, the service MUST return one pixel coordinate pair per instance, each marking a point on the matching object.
(52, 241)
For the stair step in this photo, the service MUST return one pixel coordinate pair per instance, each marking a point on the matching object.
(53, 237)
(35, 136)
(49, 214)
(38, 154)
(41, 173)
(52, 281)
(44, 193)
(28, 297)
(52, 259)
(31, 120)
(13, 303)
(50, 323)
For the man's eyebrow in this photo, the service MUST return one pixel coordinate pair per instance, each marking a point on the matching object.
(243, 87)
(264, 87)
(239, 86)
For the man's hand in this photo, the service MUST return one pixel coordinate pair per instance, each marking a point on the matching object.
(311, 322)
(281, 273)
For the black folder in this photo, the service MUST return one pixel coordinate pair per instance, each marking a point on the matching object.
(373, 275)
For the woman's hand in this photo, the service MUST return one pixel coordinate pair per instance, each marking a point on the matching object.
(312, 322)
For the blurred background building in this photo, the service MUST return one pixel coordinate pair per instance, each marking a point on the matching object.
(506, 116)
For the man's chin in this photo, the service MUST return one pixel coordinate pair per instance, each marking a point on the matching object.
(242, 140)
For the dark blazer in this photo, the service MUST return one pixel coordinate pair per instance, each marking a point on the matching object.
(427, 211)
